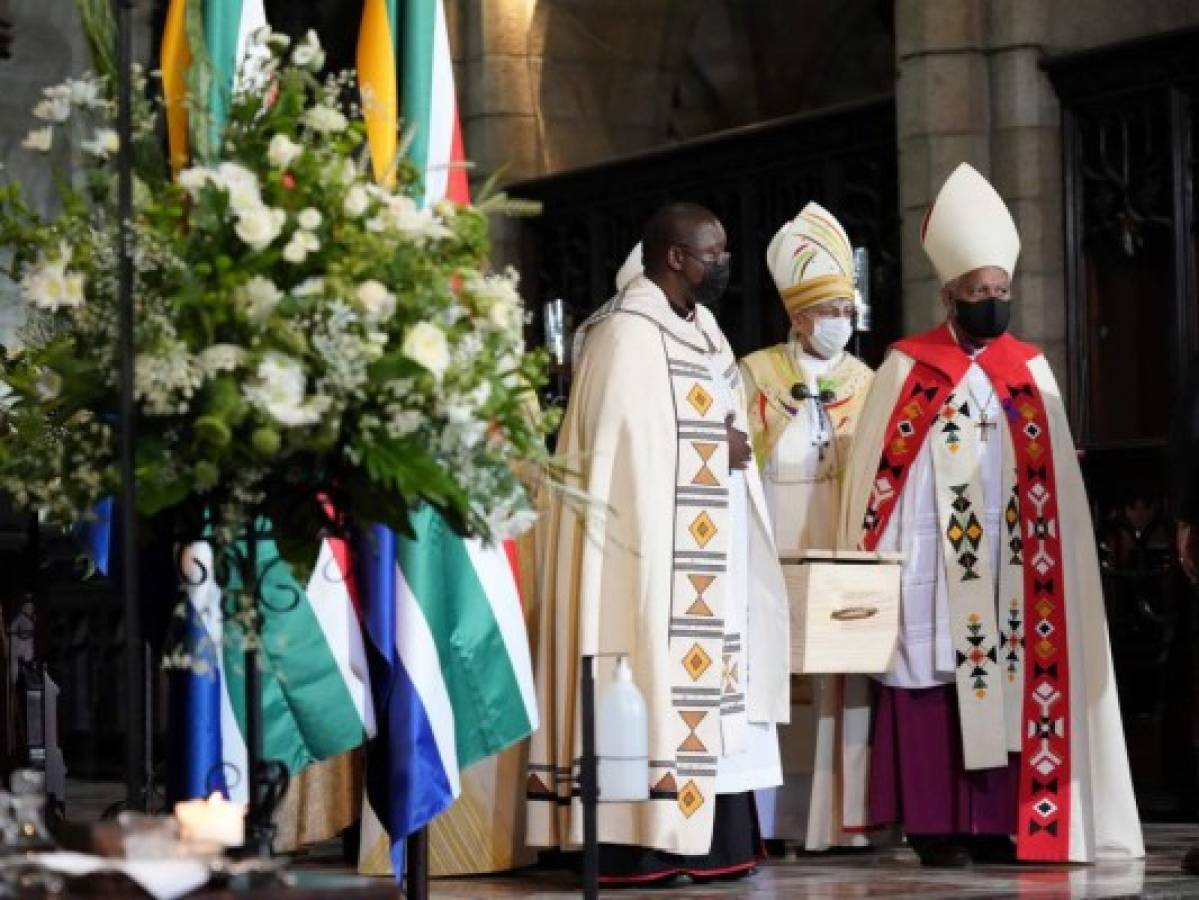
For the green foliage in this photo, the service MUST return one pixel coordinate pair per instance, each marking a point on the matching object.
(303, 336)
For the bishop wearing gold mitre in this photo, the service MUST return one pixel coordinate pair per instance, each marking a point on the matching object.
(998, 718)
(804, 398)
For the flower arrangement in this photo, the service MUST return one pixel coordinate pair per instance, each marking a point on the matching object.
(305, 338)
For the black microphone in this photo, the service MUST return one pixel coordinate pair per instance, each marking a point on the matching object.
(827, 396)
(799, 391)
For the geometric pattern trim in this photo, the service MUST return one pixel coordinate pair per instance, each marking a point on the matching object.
(921, 400)
(699, 582)
(1044, 792)
(705, 476)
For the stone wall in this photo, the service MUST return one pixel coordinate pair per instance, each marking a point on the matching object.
(969, 88)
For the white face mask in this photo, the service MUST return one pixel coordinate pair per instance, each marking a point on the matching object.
(829, 336)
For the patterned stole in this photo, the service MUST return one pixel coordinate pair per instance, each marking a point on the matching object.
(1031, 579)
(1044, 812)
(705, 659)
(961, 513)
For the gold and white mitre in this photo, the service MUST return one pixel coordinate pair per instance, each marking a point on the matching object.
(811, 259)
(969, 227)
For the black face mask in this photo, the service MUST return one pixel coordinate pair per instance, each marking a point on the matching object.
(983, 319)
(714, 283)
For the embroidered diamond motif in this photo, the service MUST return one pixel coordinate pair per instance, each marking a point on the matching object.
(1045, 649)
(1044, 628)
(1033, 430)
(961, 504)
(1035, 450)
(1045, 807)
(700, 399)
(1028, 410)
(1044, 608)
(974, 530)
(955, 533)
(703, 529)
(906, 428)
(690, 799)
(696, 662)
(1046, 692)
(913, 410)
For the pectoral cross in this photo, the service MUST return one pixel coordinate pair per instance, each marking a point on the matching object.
(984, 423)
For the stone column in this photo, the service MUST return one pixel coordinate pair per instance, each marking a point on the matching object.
(943, 118)
(1026, 169)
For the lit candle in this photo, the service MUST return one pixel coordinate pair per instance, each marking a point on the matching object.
(214, 820)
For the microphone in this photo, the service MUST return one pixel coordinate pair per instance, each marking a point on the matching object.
(800, 392)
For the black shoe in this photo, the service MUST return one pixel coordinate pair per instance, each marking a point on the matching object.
(940, 852)
(1190, 862)
(776, 848)
(993, 849)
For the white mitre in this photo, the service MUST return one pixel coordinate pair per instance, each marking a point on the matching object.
(632, 267)
(811, 259)
(969, 227)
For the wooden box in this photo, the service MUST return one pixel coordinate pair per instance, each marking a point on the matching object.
(844, 610)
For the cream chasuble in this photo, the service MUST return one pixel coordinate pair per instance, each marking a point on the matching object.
(1001, 588)
(651, 565)
(802, 447)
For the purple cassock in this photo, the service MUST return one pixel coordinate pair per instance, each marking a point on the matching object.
(917, 779)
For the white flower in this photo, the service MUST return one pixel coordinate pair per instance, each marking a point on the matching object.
(221, 358)
(86, 92)
(309, 287)
(193, 179)
(261, 296)
(259, 226)
(39, 139)
(324, 119)
(356, 202)
(278, 391)
(105, 143)
(308, 53)
(301, 244)
(404, 422)
(401, 214)
(53, 109)
(166, 378)
(377, 303)
(49, 285)
(310, 219)
(242, 186)
(48, 385)
(282, 150)
(294, 251)
(426, 345)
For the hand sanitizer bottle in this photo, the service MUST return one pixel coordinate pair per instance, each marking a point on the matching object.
(622, 739)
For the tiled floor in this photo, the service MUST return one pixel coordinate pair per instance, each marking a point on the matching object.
(886, 875)
(894, 874)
